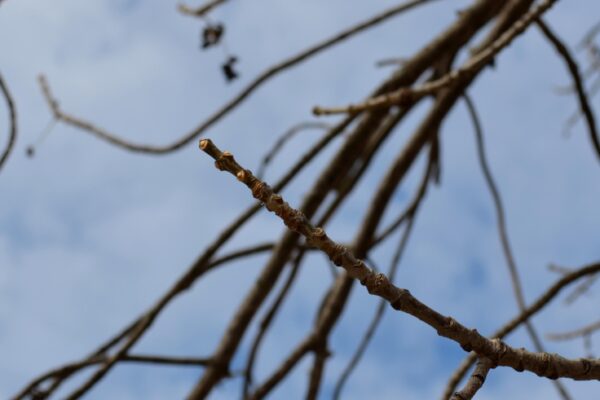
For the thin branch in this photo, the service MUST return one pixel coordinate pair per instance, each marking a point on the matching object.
(265, 323)
(68, 370)
(476, 380)
(202, 264)
(503, 233)
(409, 215)
(287, 135)
(233, 103)
(408, 95)
(565, 54)
(543, 364)
(12, 115)
(199, 11)
(581, 289)
(584, 331)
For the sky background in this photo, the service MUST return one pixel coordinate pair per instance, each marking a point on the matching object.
(91, 235)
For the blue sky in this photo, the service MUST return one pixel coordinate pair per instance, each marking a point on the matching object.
(90, 235)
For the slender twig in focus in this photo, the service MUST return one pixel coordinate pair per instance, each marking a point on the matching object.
(544, 364)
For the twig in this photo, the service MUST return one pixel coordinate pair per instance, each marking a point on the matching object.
(200, 11)
(581, 289)
(266, 323)
(476, 380)
(408, 215)
(69, 369)
(407, 95)
(563, 51)
(287, 135)
(12, 114)
(585, 331)
(543, 364)
(233, 103)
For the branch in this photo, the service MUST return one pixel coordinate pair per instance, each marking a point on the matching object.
(407, 215)
(12, 113)
(200, 11)
(563, 51)
(476, 380)
(233, 103)
(287, 135)
(585, 331)
(67, 370)
(543, 364)
(408, 95)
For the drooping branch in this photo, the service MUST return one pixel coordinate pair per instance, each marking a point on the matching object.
(265, 76)
(543, 364)
(503, 234)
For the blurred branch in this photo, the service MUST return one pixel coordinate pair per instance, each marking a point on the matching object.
(199, 11)
(563, 51)
(503, 234)
(233, 103)
(408, 95)
(409, 215)
(287, 135)
(12, 115)
(67, 370)
(573, 334)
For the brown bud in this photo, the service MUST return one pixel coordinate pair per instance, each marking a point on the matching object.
(204, 143)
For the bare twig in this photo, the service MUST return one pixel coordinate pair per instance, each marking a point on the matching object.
(584, 331)
(543, 364)
(12, 115)
(67, 370)
(287, 135)
(408, 215)
(233, 103)
(476, 380)
(199, 11)
(408, 95)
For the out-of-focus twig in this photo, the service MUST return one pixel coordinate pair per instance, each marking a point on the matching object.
(265, 76)
(12, 115)
(408, 95)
